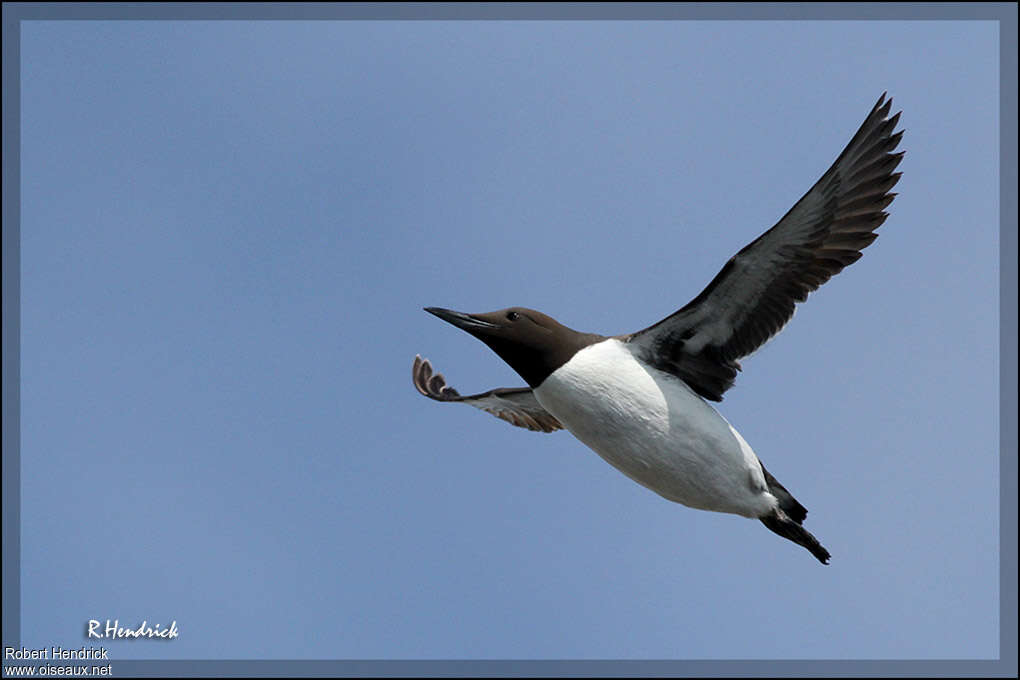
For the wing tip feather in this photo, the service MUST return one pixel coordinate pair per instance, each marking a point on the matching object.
(430, 383)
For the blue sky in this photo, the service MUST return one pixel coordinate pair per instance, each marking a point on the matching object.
(229, 230)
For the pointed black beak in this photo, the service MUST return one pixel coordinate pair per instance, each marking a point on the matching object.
(467, 322)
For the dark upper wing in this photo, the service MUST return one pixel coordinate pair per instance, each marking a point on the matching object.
(514, 405)
(753, 296)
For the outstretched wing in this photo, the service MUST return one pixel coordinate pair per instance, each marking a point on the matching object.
(514, 405)
(753, 297)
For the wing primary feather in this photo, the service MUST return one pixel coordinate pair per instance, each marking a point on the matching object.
(516, 405)
(755, 293)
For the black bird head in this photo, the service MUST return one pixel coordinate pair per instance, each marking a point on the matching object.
(533, 343)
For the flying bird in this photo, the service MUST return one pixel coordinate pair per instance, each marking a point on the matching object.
(641, 400)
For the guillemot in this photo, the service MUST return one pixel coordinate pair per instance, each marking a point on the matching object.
(640, 400)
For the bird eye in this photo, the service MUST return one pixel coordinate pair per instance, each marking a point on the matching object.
(513, 316)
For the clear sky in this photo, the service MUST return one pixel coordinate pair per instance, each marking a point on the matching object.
(229, 231)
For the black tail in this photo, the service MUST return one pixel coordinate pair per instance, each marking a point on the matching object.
(787, 518)
(780, 523)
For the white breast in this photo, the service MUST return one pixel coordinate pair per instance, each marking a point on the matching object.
(652, 427)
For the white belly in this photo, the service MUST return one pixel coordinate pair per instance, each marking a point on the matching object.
(652, 427)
